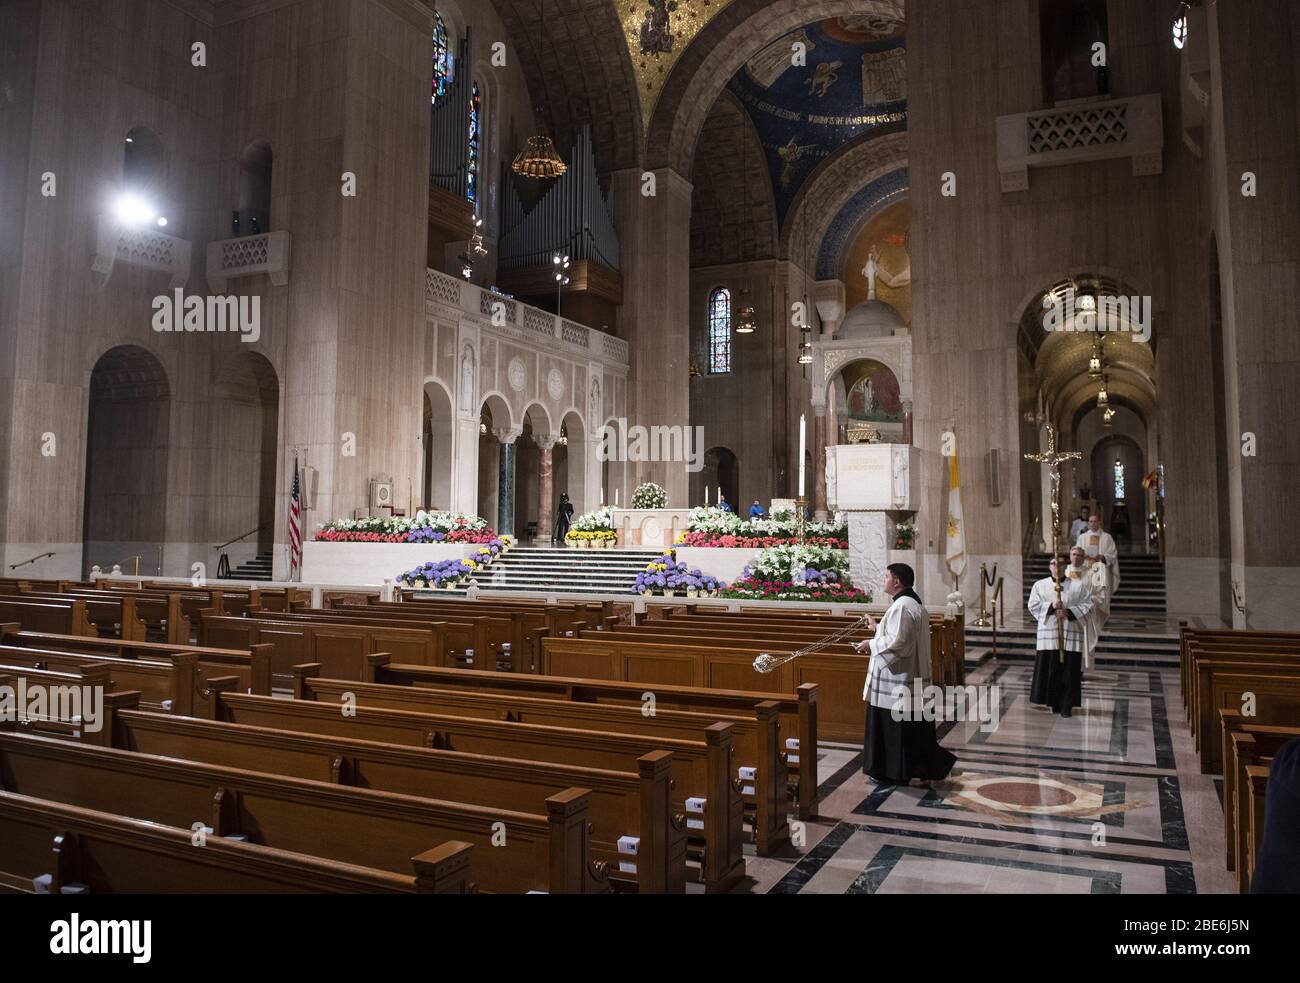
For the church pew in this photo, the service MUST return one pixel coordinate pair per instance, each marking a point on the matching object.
(166, 684)
(105, 853)
(1244, 743)
(1222, 686)
(755, 736)
(1200, 711)
(947, 637)
(797, 711)
(1192, 650)
(622, 803)
(700, 769)
(383, 830)
(250, 666)
(840, 678)
(112, 616)
(167, 615)
(60, 617)
(1192, 639)
(465, 638)
(94, 675)
(344, 650)
(1255, 784)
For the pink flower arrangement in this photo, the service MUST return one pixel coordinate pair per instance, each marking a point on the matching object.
(784, 590)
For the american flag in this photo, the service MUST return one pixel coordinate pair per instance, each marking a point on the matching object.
(295, 526)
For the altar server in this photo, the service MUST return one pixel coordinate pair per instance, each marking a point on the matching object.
(1057, 682)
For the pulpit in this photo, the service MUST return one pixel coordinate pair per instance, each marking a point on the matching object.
(867, 481)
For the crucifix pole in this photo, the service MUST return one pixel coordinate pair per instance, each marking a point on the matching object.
(1051, 460)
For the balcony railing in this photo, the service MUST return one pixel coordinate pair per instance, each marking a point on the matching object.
(1080, 133)
(521, 322)
(248, 255)
(144, 247)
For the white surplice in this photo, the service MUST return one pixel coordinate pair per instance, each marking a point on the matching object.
(1077, 597)
(900, 653)
(1102, 544)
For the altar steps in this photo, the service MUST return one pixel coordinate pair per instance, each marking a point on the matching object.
(566, 570)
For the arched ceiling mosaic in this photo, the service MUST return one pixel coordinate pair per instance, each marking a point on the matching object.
(885, 233)
(844, 231)
(853, 81)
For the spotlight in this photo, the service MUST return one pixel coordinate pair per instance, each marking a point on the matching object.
(1179, 26)
(162, 221)
(131, 209)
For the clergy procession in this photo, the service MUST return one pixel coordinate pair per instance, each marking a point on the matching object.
(623, 447)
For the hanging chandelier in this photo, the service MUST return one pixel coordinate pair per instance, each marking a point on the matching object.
(1103, 397)
(539, 160)
(746, 324)
(1096, 363)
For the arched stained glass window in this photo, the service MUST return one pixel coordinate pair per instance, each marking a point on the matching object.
(1119, 480)
(444, 60)
(475, 142)
(720, 331)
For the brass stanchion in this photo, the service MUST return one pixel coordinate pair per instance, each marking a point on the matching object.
(982, 621)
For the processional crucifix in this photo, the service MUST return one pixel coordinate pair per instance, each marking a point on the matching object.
(1051, 460)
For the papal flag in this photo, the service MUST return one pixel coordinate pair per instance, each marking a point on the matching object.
(955, 555)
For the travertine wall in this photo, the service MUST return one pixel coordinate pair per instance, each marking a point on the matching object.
(979, 257)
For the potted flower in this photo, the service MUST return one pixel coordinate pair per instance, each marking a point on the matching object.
(904, 535)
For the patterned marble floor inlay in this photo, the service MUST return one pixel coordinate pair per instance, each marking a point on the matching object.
(1108, 801)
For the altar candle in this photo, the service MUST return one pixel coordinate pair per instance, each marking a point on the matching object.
(803, 436)
(602, 496)
(706, 496)
(719, 494)
(615, 498)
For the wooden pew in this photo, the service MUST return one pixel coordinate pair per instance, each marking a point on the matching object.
(348, 825)
(112, 616)
(59, 617)
(250, 667)
(1192, 640)
(839, 678)
(756, 736)
(163, 685)
(345, 650)
(797, 711)
(1222, 685)
(480, 640)
(106, 854)
(622, 803)
(700, 769)
(1245, 743)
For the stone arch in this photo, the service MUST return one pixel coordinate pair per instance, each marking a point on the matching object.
(437, 441)
(245, 441)
(127, 441)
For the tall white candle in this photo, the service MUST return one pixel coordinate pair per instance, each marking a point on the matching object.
(706, 495)
(803, 437)
(602, 496)
(615, 498)
(719, 494)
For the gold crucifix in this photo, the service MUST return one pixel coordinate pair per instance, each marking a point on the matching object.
(1051, 460)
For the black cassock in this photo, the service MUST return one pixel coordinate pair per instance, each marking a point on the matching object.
(562, 516)
(896, 751)
(1057, 684)
(1277, 867)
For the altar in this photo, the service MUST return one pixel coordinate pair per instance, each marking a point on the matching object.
(649, 527)
(867, 482)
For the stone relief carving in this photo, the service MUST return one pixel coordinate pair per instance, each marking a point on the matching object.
(555, 384)
(517, 374)
(467, 380)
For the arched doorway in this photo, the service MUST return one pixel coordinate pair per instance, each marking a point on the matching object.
(245, 445)
(532, 514)
(439, 427)
(497, 439)
(1117, 468)
(127, 437)
(570, 464)
(722, 471)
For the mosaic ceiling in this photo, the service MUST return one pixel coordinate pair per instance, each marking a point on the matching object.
(658, 31)
(852, 80)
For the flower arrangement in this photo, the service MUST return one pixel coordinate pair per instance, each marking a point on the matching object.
(759, 589)
(648, 495)
(799, 564)
(423, 527)
(593, 529)
(443, 573)
(904, 535)
(730, 541)
(667, 576)
(712, 527)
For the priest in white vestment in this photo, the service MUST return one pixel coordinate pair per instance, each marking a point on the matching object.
(1058, 681)
(897, 751)
(1099, 546)
(1094, 578)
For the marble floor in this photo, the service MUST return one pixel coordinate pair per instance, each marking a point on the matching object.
(1110, 800)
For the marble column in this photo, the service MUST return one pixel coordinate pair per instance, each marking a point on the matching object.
(819, 465)
(545, 486)
(506, 480)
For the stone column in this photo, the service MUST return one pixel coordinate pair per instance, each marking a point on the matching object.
(907, 421)
(545, 485)
(506, 479)
(819, 464)
(654, 234)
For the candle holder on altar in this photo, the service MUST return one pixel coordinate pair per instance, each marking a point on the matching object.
(800, 517)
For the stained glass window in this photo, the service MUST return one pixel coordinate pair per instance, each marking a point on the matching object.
(720, 331)
(444, 62)
(1119, 481)
(475, 134)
